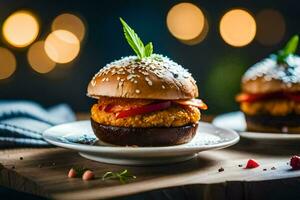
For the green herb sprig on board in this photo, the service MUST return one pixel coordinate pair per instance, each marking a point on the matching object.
(135, 42)
(79, 170)
(289, 49)
(122, 176)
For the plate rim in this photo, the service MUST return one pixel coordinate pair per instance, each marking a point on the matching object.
(126, 150)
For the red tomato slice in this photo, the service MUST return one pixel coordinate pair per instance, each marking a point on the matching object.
(144, 109)
(192, 102)
(293, 96)
(100, 107)
(112, 108)
(108, 107)
(244, 97)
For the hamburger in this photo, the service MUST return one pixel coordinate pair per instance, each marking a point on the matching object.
(270, 97)
(144, 100)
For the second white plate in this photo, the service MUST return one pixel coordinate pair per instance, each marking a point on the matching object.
(236, 121)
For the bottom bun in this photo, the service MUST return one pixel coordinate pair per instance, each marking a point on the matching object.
(273, 124)
(156, 136)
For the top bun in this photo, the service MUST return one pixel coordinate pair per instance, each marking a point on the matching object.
(154, 77)
(268, 76)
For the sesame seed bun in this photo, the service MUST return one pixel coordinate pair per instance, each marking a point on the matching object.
(155, 77)
(268, 76)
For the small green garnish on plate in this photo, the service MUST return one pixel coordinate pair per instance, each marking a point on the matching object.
(122, 176)
(135, 42)
(289, 49)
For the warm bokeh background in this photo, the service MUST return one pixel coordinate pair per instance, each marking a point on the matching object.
(59, 69)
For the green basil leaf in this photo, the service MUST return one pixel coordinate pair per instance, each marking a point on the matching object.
(148, 49)
(135, 42)
(291, 46)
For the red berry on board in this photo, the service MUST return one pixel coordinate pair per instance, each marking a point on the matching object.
(295, 162)
(251, 164)
(72, 173)
(88, 175)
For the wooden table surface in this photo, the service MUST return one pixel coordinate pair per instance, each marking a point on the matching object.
(43, 171)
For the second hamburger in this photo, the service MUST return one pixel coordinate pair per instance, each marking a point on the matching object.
(270, 97)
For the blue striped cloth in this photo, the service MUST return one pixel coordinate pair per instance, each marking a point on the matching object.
(23, 122)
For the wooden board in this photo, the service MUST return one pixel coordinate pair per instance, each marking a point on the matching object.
(44, 171)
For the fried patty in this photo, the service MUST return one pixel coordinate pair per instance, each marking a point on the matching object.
(173, 116)
(275, 107)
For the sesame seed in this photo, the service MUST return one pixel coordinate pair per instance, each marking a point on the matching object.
(148, 81)
(137, 91)
(163, 87)
(131, 76)
(144, 73)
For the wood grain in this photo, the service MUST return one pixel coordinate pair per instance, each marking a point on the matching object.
(43, 171)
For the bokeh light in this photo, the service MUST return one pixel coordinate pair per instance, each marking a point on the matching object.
(70, 23)
(270, 27)
(185, 21)
(237, 27)
(8, 63)
(200, 37)
(20, 29)
(62, 46)
(38, 59)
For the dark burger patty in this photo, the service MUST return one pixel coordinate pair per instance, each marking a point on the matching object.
(156, 136)
(291, 120)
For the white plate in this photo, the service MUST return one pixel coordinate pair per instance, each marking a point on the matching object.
(207, 137)
(236, 121)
